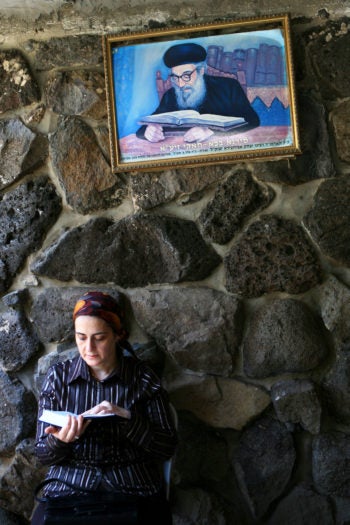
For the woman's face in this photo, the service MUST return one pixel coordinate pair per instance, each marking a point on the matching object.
(96, 342)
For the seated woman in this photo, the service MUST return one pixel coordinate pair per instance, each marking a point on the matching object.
(110, 454)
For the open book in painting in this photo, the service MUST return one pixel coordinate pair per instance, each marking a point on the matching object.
(190, 118)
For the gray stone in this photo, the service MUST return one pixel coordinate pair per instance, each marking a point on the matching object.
(303, 505)
(134, 251)
(77, 93)
(234, 201)
(21, 150)
(273, 254)
(18, 480)
(196, 506)
(222, 402)
(26, 215)
(329, 50)
(48, 360)
(81, 167)
(264, 463)
(18, 410)
(9, 518)
(340, 118)
(18, 341)
(152, 189)
(283, 336)
(71, 51)
(296, 401)
(52, 311)
(331, 464)
(276, 171)
(329, 218)
(18, 87)
(199, 327)
(193, 464)
(315, 162)
(336, 385)
(334, 305)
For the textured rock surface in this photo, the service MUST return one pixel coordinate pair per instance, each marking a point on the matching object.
(221, 402)
(26, 215)
(264, 471)
(18, 410)
(209, 342)
(234, 201)
(132, 252)
(297, 401)
(283, 336)
(273, 254)
(328, 220)
(330, 464)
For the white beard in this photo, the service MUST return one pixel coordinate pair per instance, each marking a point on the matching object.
(191, 96)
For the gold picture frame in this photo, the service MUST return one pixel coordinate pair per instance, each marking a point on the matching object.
(231, 71)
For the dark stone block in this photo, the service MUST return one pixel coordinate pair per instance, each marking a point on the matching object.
(264, 463)
(234, 201)
(18, 411)
(199, 327)
(331, 464)
(26, 215)
(18, 86)
(283, 336)
(273, 254)
(134, 251)
(329, 219)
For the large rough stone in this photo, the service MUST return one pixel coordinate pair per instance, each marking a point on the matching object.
(21, 150)
(26, 215)
(221, 402)
(152, 189)
(264, 463)
(331, 464)
(71, 51)
(18, 480)
(303, 505)
(334, 305)
(283, 336)
(9, 518)
(193, 465)
(315, 162)
(18, 87)
(48, 360)
(77, 93)
(81, 168)
(52, 309)
(336, 385)
(18, 341)
(273, 254)
(296, 401)
(196, 506)
(199, 327)
(340, 118)
(18, 410)
(329, 50)
(329, 219)
(234, 201)
(134, 251)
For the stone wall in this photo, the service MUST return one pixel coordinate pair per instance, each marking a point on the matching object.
(235, 277)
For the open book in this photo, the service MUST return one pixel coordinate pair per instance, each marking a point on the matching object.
(58, 418)
(190, 118)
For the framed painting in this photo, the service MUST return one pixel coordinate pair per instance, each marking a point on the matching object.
(212, 93)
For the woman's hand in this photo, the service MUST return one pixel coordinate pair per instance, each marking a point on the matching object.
(74, 428)
(108, 408)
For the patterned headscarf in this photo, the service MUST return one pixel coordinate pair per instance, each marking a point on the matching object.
(100, 304)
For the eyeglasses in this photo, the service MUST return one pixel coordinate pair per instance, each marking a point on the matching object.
(185, 77)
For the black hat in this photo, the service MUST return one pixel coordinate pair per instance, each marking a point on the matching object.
(184, 54)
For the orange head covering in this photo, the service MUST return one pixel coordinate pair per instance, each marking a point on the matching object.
(103, 305)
